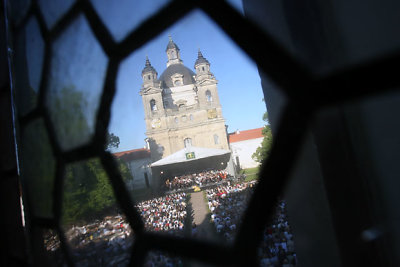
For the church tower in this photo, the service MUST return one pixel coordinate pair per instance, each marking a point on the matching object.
(207, 86)
(173, 54)
(151, 93)
(182, 108)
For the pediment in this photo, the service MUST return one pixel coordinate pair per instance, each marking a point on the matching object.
(206, 82)
(151, 90)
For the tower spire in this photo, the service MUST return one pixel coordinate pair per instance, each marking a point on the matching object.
(173, 52)
(148, 67)
(200, 59)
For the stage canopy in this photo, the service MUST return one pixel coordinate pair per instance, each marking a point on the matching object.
(189, 160)
(190, 154)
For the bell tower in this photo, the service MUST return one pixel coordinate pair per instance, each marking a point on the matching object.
(206, 84)
(149, 75)
(173, 53)
(202, 67)
(151, 93)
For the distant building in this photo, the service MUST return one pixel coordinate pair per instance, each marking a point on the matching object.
(138, 162)
(182, 108)
(243, 145)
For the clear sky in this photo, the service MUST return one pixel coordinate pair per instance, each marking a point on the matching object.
(239, 84)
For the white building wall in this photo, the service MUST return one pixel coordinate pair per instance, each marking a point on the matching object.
(138, 168)
(244, 150)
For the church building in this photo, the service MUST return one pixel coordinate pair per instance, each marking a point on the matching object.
(182, 107)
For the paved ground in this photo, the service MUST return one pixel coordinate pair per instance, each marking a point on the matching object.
(201, 219)
(199, 207)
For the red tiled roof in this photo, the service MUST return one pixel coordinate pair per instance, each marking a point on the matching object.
(245, 135)
(139, 153)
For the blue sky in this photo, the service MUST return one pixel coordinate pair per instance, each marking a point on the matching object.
(239, 84)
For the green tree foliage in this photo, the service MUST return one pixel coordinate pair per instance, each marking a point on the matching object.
(263, 151)
(67, 110)
(112, 141)
(88, 193)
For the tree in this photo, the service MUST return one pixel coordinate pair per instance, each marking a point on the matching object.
(263, 151)
(88, 193)
(112, 141)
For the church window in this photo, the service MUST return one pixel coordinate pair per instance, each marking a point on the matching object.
(216, 139)
(188, 142)
(202, 68)
(191, 117)
(176, 119)
(153, 105)
(208, 96)
(177, 82)
(148, 77)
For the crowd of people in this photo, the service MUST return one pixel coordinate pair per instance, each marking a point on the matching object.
(166, 213)
(107, 241)
(195, 179)
(227, 204)
(277, 248)
(102, 242)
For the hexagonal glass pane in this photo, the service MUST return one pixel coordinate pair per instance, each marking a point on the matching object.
(182, 145)
(37, 169)
(28, 64)
(53, 10)
(78, 67)
(95, 228)
(123, 16)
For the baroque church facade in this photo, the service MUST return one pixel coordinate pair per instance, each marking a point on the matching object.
(181, 107)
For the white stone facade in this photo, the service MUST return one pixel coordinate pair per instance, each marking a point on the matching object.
(244, 150)
(138, 168)
(243, 144)
(181, 107)
(138, 162)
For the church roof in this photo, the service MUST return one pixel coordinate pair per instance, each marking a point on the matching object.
(199, 153)
(165, 77)
(134, 154)
(171, 44)
(245, 135)
(148, 67)
(200, 59)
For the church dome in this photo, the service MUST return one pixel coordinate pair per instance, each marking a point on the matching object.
(166, 80)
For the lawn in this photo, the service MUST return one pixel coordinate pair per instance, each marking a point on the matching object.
(251, 173)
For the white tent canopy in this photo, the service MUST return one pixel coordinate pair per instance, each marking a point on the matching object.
(182, 155)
